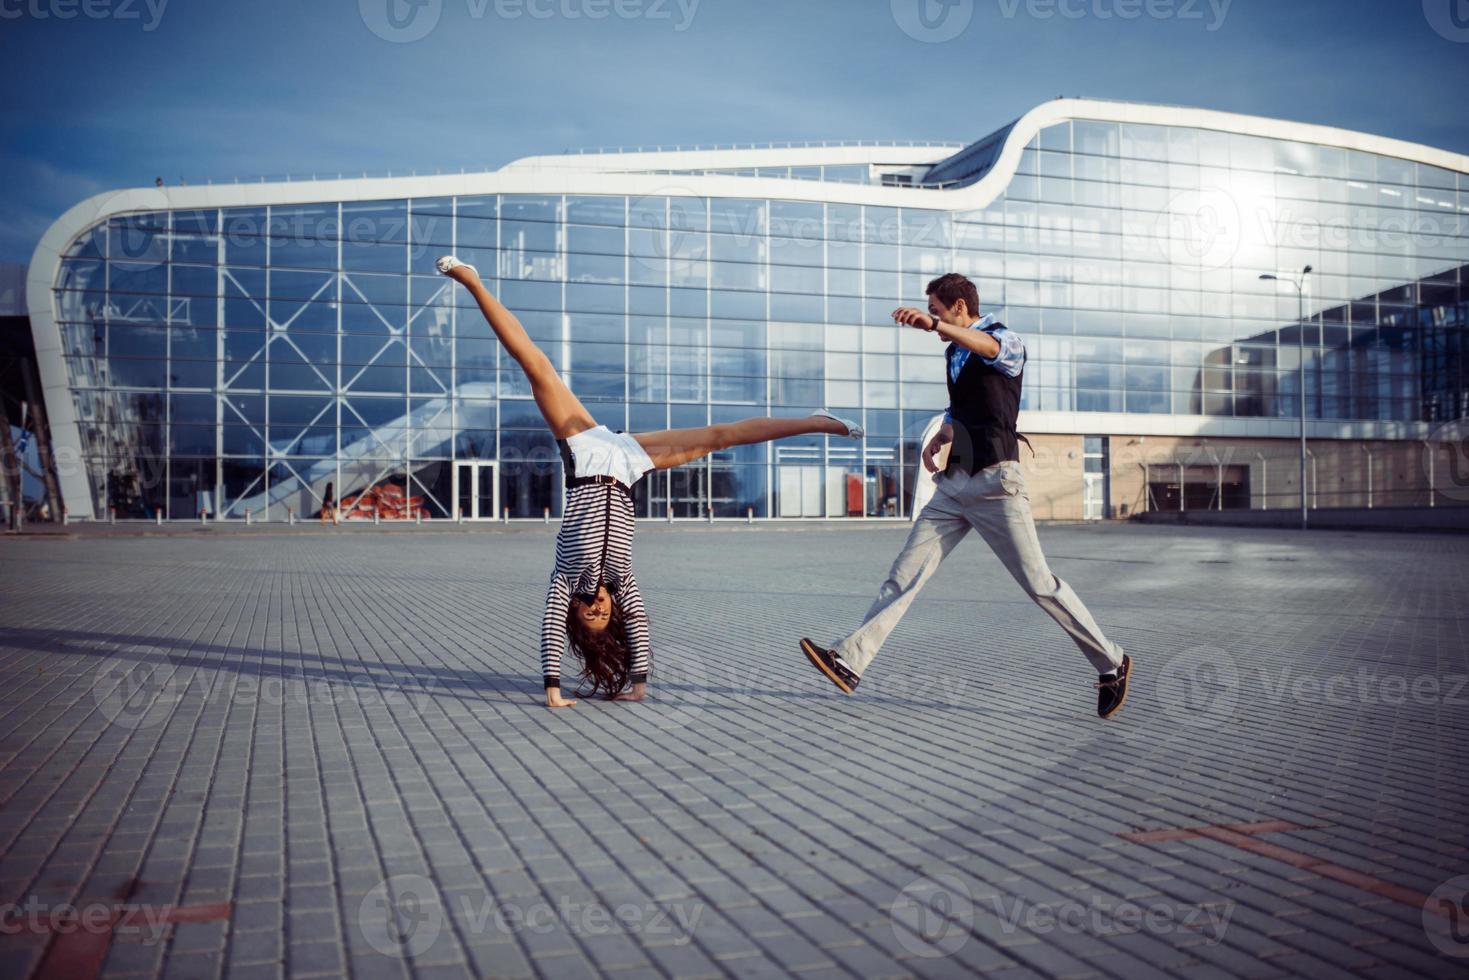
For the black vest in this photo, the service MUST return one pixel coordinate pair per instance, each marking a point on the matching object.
(983, 403)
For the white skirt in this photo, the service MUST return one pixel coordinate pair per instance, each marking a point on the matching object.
(602, 452)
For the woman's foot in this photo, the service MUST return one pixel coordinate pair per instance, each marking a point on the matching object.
(636, 693)
(851, 429)
(449, 266)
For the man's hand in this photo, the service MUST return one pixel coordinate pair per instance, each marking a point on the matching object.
(638, 693)
(555, 700)
(941, 438)
(910, 316)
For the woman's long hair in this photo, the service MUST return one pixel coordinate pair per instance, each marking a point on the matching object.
(604, 654)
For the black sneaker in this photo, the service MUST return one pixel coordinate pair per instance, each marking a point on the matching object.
(1112, 691)
(831, 665)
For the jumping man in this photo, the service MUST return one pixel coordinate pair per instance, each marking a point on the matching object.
(982, 487)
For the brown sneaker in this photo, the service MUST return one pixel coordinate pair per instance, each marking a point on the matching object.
(1112, 691)
(834, 667)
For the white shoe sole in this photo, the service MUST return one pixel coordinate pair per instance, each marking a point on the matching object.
(448, 263)
(854, 431)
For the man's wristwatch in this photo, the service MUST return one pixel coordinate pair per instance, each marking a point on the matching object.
(934, 320)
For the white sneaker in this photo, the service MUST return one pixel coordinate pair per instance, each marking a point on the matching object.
(448, 262)
(854, 431)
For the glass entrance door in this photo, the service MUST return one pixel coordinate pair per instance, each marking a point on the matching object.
(476, 491)
(1095, 478)
(1091, 496)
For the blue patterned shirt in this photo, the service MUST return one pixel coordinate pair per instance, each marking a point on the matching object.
(1009, 361)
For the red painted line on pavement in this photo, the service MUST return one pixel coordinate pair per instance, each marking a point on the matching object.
(1187, 833)
(1244, 836)
(79, 953)
(1325, 869)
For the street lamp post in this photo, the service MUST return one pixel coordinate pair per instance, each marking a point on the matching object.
(1300, 284)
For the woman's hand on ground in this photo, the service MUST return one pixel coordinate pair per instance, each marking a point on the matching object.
(555, 700)
(637, 693)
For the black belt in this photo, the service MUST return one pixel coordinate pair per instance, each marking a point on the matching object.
(601, 480)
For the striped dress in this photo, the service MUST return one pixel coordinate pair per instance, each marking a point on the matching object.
(594, 547)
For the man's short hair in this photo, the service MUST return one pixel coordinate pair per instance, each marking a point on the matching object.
(951, 287)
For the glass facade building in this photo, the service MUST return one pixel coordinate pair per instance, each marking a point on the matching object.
(247, 347)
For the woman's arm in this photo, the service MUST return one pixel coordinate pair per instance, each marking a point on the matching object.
(553, 639)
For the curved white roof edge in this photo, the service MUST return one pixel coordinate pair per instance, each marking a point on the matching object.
(799, 156)
(45, 262)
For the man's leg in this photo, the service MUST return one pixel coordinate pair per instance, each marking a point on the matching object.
(938, 528)
(999, 509)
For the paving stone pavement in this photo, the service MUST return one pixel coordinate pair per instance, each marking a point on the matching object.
(320, 752)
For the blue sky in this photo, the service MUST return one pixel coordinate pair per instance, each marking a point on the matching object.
(126, 90)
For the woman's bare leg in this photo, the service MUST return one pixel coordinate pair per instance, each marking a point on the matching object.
(562, 410)
(675, 447)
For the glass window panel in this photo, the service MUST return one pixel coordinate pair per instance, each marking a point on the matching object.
(431, 223)
(368, 256)
(595, 268)
(596, 210)
(796, 219)
(595, 240)
(737, 304)
(687, 215)
(739, 219)
(244, 236)
(477, 232)
(1141, 142)
(1391, 170)
(1251, 152)
(1101, 138)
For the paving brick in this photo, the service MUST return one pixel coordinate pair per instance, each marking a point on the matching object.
(315, 713)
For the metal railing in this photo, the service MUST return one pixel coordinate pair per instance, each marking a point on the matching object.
(286, 178)
(912, 186)
(776, 145)
(339, 175)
